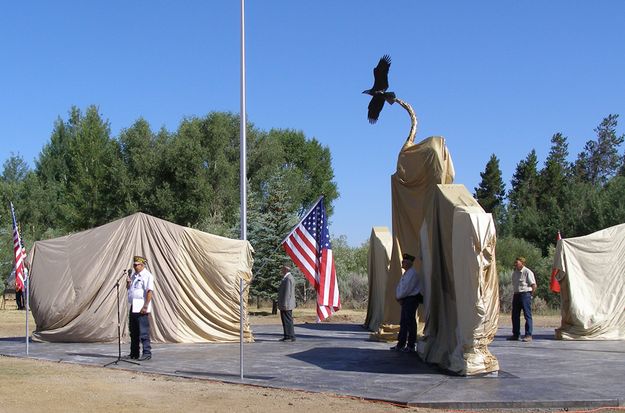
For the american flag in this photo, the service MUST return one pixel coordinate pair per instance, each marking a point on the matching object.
(20, 254)
(309, 247)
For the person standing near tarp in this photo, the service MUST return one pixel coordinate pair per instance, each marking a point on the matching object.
(409, 294)
(140, 289)
(19, 297)
(286, 303)
(524, 287)
(19, 292)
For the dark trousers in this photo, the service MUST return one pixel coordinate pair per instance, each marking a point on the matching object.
(522, 301)
(408, 321)
(19, 300)
(287, 323)
(139, 332)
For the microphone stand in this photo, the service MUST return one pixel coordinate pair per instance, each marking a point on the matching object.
(119, 337)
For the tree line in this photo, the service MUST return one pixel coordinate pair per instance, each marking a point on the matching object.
(575, 198)
(85, 177)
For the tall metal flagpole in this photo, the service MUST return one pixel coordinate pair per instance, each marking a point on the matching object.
(243, 181)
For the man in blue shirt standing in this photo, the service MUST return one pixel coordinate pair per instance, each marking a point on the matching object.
(524, 287)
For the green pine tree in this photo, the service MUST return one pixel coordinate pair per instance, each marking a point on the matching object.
(491, 191)
(271, 218)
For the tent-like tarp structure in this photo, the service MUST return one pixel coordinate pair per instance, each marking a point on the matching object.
(420, 167)
(461, 300)
(380, 245)
(454, 242)
(196, 277)
(592, 282)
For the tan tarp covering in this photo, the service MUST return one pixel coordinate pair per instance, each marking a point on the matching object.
(592, 281)
(380, 244)
(420, 167)
(461, 300)
(196, 276)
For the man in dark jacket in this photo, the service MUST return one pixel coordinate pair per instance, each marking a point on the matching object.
(286, 303)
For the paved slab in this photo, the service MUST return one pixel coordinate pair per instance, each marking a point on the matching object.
(339, 358)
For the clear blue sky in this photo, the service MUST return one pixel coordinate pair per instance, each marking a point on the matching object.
(490, 76)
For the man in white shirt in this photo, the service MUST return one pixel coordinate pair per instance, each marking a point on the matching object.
(409, 295)
(140, 289)
(524, 287)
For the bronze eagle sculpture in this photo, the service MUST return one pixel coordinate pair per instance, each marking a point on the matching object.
(378, 91)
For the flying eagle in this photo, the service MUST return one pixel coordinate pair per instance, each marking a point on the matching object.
(378, 91)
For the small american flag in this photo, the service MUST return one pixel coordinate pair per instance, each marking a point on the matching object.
(309, 247)
(20, 254)
(554, 284)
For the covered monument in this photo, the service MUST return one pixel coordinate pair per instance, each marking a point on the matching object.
(454, 241)
(420, 167)
(592, 285)
(461, 300)
(196, 276)
(380, 247)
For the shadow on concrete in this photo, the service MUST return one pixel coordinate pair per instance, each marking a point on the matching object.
(265, 337)
(15, 339)
(354, 360)
(94, 355)
(324, 332)
(543, 337)
(347, 328)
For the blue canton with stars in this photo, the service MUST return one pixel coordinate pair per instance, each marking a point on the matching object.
(317, 225)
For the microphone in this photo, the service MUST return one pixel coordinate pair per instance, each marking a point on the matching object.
(129, 272)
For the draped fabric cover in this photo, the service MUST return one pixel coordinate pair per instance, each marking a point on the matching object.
(380, 244)
(196, 276)
(592, 285)
(420, 167)
(461, 300)
(454, 242)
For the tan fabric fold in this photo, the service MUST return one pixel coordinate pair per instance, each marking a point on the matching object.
(196, 277)
(454, 241)
(461, 301)
(420, 167)
(380, 245)
(592, 283)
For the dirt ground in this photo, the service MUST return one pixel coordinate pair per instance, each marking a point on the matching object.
(37, 386)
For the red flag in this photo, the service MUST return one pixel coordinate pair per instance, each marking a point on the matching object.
(554, 285)
(309, 247)
(20, 254)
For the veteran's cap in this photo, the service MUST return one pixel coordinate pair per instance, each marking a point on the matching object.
(139, 259)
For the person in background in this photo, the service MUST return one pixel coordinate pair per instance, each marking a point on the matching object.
(19, 291)
(286, 303)
(19, 297)
(409, 295)
(524, 287)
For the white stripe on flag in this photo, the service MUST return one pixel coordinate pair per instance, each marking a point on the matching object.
(327, 278)
(305, 242)
(299, 257)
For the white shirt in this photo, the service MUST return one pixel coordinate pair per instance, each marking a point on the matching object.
(140, 284)
(409, 284)
(522, 280)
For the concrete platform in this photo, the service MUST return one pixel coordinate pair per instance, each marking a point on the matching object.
(339, 359)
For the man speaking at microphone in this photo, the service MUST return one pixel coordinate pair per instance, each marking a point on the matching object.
(140, 284)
